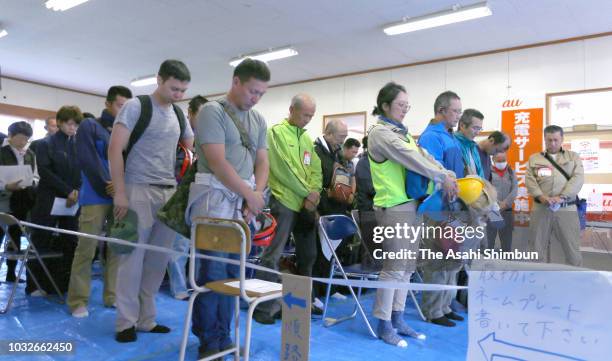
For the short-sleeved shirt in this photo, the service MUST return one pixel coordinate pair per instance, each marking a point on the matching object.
(151, 160)
(215, 126)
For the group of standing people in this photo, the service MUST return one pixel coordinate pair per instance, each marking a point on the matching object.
(125, 161)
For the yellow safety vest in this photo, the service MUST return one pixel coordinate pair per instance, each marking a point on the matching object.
(389, 179)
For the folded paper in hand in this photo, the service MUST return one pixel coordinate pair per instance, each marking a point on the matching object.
(60, 209)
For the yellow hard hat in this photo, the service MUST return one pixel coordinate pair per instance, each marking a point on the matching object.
(470, 189)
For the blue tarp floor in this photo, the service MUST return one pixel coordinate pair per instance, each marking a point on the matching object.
(40, 319)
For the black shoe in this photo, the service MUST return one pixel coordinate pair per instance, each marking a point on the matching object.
(10, 277)
(442, 321)
(317, 311)
(263, 317)
(159, 329)
(453, 316)
(127, 335)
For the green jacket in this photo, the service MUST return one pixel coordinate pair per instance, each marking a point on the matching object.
(295, 168)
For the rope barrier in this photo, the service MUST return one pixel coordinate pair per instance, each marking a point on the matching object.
(339, 282)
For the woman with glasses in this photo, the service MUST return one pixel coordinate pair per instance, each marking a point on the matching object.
(393, 151)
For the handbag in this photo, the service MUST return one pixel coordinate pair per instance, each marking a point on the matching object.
(581, 203)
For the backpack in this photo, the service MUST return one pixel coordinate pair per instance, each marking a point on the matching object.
(341, 185)
(146, 112)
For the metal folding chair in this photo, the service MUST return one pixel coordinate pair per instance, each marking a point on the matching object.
(332, 229)
(30, 253)
(230, 236)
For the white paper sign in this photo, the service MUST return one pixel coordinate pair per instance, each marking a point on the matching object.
(588, 150)
(60, 209)
(255, 285)
(13, 173)
(540, 315)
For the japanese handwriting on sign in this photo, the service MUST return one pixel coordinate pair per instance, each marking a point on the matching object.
(545, 328)
(294, 328)
(521, 117)
(483, 318)
(291, 353)
(481, 294)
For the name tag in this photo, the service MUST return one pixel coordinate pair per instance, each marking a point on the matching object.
(544, 172)
(306, 158)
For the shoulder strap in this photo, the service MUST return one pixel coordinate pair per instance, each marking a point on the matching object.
(244, 137)
(181, 118)
(5, 155)
(545, 154)
(146, 111)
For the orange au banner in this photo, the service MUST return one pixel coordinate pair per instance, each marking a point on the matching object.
(525, 127)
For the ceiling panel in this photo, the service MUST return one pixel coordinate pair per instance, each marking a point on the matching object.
(106, 42)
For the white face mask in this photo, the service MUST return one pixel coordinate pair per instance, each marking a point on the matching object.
(501, 165)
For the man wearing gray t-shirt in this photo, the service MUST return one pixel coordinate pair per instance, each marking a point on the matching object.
(232, 174)
(143, 184)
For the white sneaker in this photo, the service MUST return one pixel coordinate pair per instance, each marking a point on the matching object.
(38, 293)
(80, 312)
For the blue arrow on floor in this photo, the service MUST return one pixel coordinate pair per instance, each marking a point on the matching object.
(492, 347)
(290, 300)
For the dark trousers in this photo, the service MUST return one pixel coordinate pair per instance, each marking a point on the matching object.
(505, 232)
(20, 204)
(213, 312)
(302, 224)
(14, 233)
(45, 241)
(367, 223)
(303, 227)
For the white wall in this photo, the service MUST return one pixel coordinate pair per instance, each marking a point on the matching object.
(483, 82)
(30, 95)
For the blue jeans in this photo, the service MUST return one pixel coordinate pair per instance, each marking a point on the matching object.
(176, 266)
(212, 312)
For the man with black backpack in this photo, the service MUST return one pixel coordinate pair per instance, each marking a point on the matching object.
(554, 178)
(147, 130)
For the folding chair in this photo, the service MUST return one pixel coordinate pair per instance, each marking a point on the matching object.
(332, 229)
(230, 236)
(30, 253)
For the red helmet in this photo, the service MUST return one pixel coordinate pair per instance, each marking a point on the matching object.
(267, 230)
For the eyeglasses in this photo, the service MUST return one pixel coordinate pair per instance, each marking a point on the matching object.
(404, 106)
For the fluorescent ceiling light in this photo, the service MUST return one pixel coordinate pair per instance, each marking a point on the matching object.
(3, 33)
(454, 15)
(144, 81)
(267, 56)
(61, 5)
